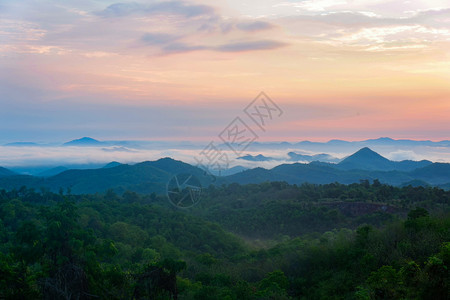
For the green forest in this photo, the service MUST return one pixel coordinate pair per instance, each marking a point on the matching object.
(258, 241)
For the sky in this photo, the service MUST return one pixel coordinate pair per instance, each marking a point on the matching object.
(183, 70)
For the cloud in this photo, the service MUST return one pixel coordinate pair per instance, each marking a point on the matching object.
(400, 155)
(182, 47)
(254, 26)
(158, 38)
(118, 149)
(230, 47)
(368, 31)
(250, 46)
(166, 7)
(432, 14)
(121, 9)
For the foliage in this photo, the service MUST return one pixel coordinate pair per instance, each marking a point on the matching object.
(56, 246)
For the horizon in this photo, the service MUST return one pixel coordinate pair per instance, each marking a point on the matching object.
(41, 142)
(80, 155)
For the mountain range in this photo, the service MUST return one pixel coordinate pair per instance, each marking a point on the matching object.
(382, 141)
(152, 176)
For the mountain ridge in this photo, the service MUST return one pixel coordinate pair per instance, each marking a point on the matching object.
(152, 176)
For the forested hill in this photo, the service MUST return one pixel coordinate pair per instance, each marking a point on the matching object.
(258, 241)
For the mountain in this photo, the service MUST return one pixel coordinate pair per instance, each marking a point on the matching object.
(85, 141)
(145, 177)
(52, 171)
(408, 165)
(364, 164)
(382, 143)
(230, 171)
(367, 159)
(112, 164)
(258, 157)
(436, 173)
(153, 176)
(5, 172)
(249, 176)
(293, 156)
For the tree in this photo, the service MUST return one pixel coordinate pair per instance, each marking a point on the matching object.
(158, 280)
(385, 283)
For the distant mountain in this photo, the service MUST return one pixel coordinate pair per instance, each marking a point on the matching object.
(250, 176)
(5, 172)
(367, 159)
(364, 164)
(152, 176)
(112, 164)
(145, 177)
(436, 173)
(408, 165)
(383, 142)
(52, 171)
(230, 171)
(85, 141)
(258, 157)
(293, 156)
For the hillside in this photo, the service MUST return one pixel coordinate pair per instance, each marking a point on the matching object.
(266, 241)
(5, 172)
(52, 172)
(145, 177)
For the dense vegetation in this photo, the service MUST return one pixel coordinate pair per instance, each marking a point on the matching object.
(260, 241)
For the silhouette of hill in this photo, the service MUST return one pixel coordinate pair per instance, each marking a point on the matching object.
(230, 171)
(367, 159)
(52, 171)
(436, 173)
(85, 141)
(293, 156)
(145, 177)
(363, 164)
(5, 172)
(258, 157)
(112, 164)
(152, 176)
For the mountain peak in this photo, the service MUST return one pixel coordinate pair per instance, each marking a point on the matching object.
(84, 141)
(366, 151)
(112, 164)
(366, 154)
(365, 158)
